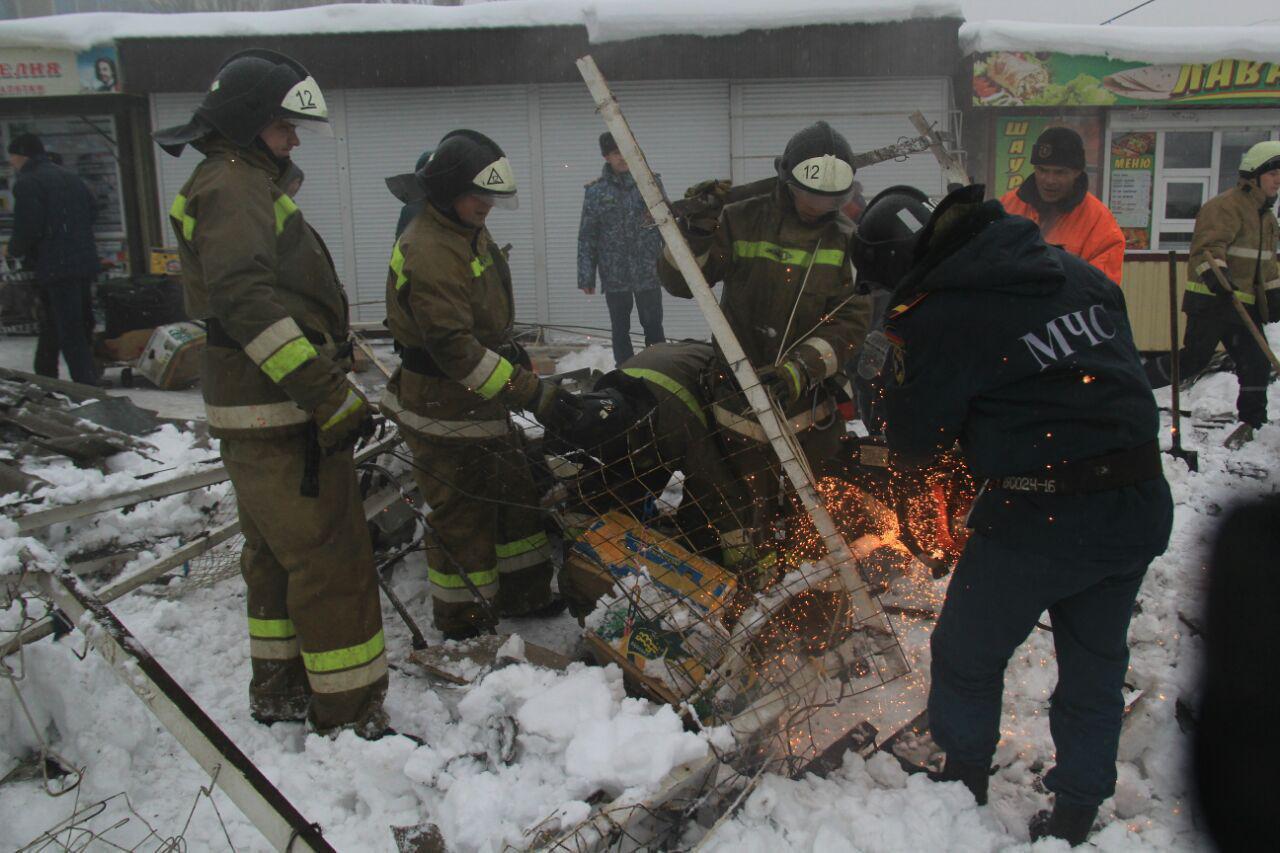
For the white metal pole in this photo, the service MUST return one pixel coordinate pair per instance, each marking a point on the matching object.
(280, 823)
(781, 438)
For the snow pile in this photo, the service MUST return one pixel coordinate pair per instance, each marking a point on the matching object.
(605, 20)
(1135, 44)
(595, 356)
(628, 20)
(526, 749)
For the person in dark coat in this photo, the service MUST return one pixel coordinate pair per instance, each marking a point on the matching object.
(1022, 353)
(618, 241)
(53, 218)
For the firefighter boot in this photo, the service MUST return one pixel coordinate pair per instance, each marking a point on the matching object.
(974, 777)
(1069, 822)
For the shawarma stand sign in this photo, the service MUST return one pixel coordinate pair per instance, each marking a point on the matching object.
(1028, 79)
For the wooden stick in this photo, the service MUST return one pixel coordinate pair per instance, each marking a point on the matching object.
(781, 438)
(1245, 318)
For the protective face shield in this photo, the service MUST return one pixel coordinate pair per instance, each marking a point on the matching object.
(822, 184)
(304, 107)
(496, 183)
(817, 169)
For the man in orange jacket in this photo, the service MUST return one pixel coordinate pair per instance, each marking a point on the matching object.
(1057, 198)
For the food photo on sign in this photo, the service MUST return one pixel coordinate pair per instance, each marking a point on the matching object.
(1026, 78)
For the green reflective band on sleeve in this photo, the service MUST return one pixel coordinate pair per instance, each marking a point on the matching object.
(397, 266)
(1196, 287)
(521, 546)
(349, 405)
(785, 255)
(666, 383)
(794, 373)
(178, 212)
(284, 209)
(344, 658)
(271, 629)
(479, 265)
(496, 380)
(448, 581)
(288, 358)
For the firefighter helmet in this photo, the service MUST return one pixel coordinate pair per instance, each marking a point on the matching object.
(1262, 157)
(618, 404)
(252, 89)
(817, 166)
(466, 162)
(881, 249)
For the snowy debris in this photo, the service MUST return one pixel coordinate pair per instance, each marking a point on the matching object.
(605, 20)
(1135, 44)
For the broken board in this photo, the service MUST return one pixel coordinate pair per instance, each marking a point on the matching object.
(466, 661)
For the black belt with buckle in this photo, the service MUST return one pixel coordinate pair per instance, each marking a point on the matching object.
(1085, 476)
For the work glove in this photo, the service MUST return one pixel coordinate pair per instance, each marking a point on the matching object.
(705, 201)
(342, 419)
(785, 382)
(1209, 280)
(556, 409)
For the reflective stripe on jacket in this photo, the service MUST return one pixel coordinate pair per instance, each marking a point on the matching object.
(251, 262)
(1235, 231)
(788, 285)
(449, 293)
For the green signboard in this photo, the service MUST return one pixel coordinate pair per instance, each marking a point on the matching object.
(1012, 79)
(1016, 134)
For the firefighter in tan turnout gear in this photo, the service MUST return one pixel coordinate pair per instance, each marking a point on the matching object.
(1236, 232)
(451, 310)
(788, 294)
(277, 395)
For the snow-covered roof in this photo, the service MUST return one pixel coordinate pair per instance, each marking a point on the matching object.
(605, 20)
(1135, 44)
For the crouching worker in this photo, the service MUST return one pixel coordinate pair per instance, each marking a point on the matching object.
(277, 395)
(649, 419)
(1023, 353)
(654, 417)
(450, 309)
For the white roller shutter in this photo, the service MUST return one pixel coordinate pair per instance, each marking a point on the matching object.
(388, 129)
(683, 127)
(869, 112)
(317, 156)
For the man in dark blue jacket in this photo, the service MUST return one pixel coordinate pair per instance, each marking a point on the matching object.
(1023, 354)
(53, 235)
(618, 240)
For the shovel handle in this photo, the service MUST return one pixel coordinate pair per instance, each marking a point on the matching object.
(1175, 377)
(1244, 316)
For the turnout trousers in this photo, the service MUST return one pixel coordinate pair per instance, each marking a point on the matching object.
(995, 598)
(1203, 333)
(315, 619)
(486, 530)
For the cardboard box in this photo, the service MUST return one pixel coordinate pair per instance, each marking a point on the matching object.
(165, 262)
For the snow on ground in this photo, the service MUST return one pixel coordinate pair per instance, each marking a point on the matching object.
(605, 20)
(577, 733)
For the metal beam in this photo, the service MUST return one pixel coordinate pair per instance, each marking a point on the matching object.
(283, 826)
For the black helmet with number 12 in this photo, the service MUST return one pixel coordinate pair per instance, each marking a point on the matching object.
(252, 89)
(817, 168)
